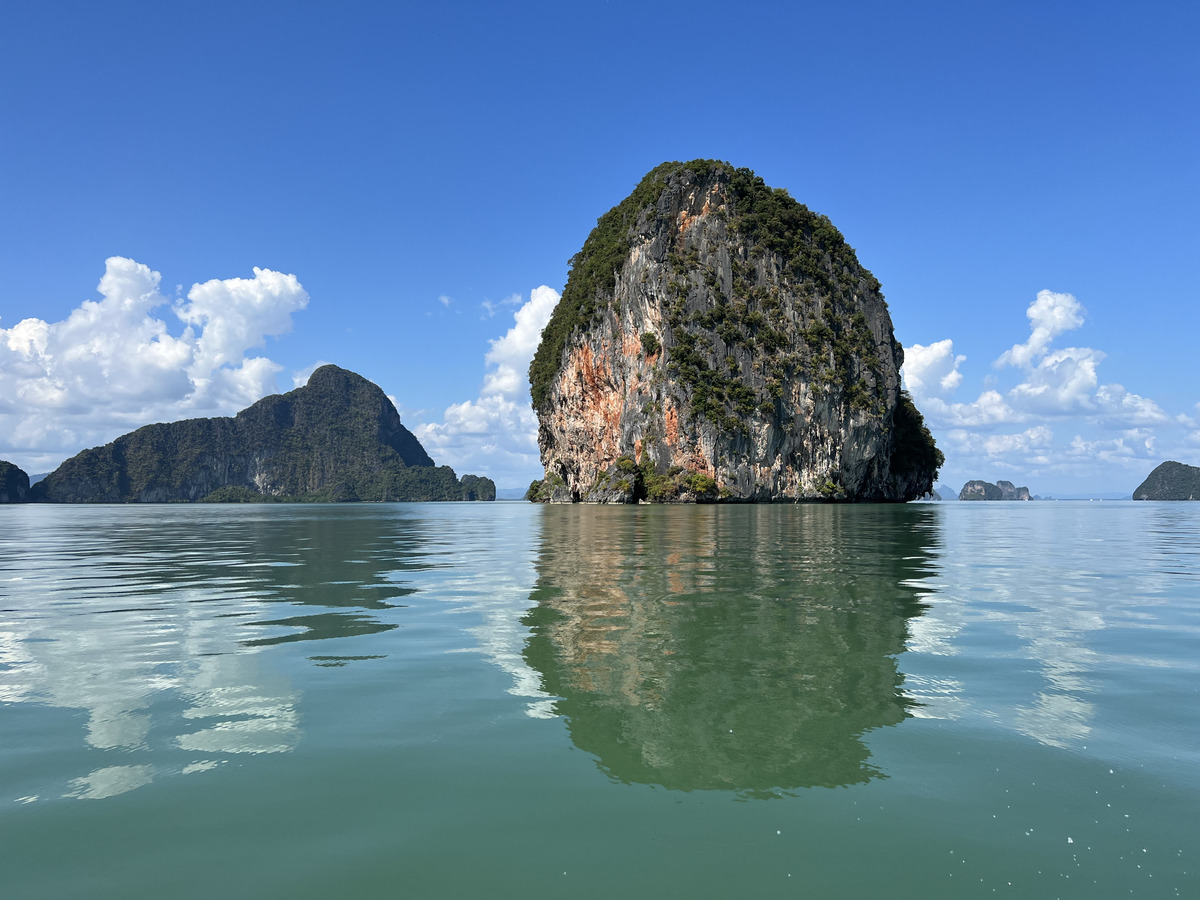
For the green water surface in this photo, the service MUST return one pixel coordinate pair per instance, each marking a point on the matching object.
(509, 700)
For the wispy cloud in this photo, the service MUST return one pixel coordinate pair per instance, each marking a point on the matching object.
(490, 308)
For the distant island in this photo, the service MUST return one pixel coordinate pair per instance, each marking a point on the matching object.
(985, 490)
(718, 341)
(14, 483)
(338, 438)
(1170, 481)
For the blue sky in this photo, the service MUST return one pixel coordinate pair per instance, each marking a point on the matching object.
(1023, 178)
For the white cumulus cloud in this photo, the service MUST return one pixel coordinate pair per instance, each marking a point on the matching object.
(1045, 384)
(1062, 382)
(1038, 437)
(931, 371)
(234, 314)
(114, 364)
(496, 433)
(1050, 315)
(1131, 446)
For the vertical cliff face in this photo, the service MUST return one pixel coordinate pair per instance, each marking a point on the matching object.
(717, 340)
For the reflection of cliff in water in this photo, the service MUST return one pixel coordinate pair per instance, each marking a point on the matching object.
(743, 648)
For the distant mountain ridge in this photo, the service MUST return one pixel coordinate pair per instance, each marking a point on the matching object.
(337, 438)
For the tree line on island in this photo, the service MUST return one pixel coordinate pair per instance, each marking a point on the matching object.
(337, 438)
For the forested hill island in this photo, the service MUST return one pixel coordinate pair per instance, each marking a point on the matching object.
(717, 340)
(1170, 481)
(337, 438)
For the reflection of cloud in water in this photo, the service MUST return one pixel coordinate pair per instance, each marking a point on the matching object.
(936, 698)
(742, 648)
(1056, 719)
(110, 781)
(131, 673)
(498, 594)
(239, 716)
(151, 620)
(1054, 576)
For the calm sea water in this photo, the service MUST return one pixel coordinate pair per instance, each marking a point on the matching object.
(507, 700)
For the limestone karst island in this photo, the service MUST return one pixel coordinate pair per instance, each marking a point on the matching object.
(337, 438)
(717, 340)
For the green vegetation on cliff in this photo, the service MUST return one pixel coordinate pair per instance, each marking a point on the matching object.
(762, 218)
(1170, 481)
(759, 330)
(914, 449)
(593, 275)
(338, 438)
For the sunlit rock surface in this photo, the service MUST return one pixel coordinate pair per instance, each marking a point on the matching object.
(717, 340)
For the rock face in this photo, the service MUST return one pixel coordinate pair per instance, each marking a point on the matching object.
(985, 490)
(717, 340)
(337, 438)
(1170, 481)
(14, 484)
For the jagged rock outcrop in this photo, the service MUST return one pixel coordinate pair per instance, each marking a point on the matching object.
(717, 340)
(14, 483)
(979, 490)
(1170, 481)
(1009, 491)
(337, 438)
(985, 490)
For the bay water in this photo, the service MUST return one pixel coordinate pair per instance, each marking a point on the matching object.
(510, 700)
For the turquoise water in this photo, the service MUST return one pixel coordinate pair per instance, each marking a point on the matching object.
(508, 700)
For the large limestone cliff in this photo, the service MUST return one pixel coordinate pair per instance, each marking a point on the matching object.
(717, 340)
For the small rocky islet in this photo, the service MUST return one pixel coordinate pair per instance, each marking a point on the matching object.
(985, 490)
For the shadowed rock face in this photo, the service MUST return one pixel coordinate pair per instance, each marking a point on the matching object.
(724, 341)
(14, 483)
(729, 647)
(1170, 481)
(337, 438)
